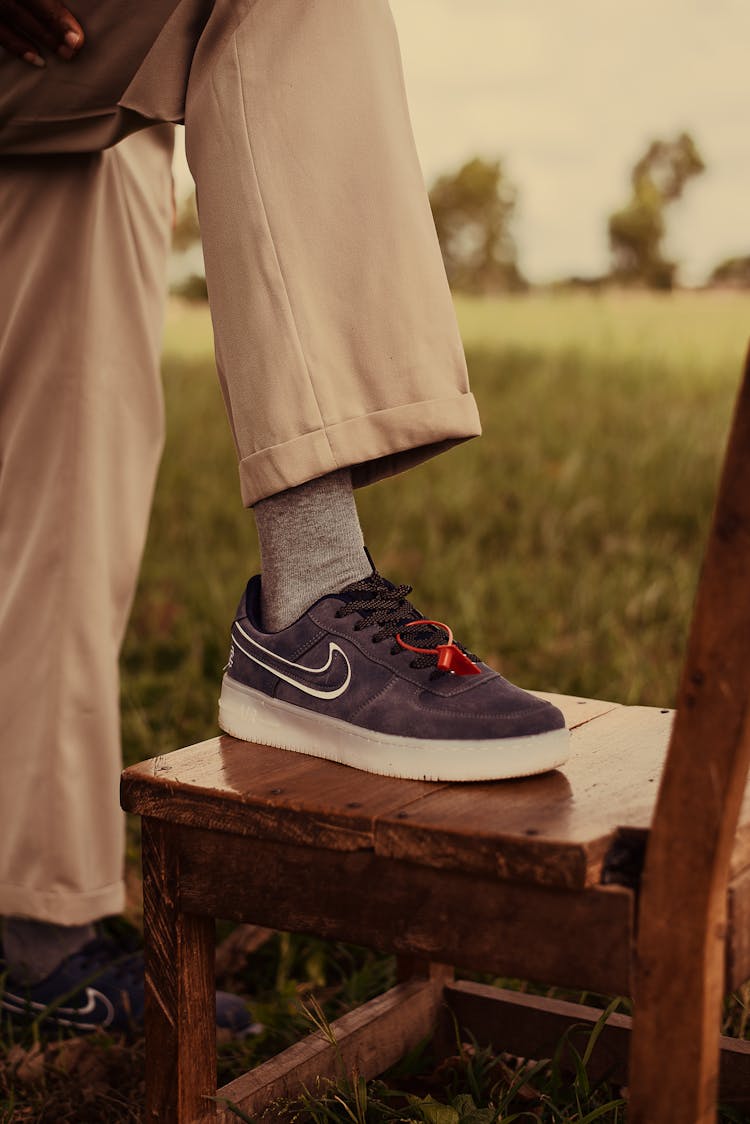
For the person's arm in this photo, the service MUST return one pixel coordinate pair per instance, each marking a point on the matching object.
(29, 26)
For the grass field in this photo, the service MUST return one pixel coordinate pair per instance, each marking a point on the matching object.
(563, 547)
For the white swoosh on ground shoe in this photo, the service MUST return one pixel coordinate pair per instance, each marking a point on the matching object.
(96, 1005)
(332, 693)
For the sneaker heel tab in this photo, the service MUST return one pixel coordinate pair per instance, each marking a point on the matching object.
(249, 606)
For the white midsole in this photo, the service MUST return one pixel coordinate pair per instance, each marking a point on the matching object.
(252, 716)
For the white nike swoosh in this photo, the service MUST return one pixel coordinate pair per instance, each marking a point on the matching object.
(332, 693)
(95, 1002)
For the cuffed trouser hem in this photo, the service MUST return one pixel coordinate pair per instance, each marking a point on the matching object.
(61, 907)
(374, 446)
(328, 294)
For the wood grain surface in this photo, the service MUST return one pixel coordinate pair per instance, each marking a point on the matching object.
(367, 1041)
(552, 830)
(180, 1002)
(572, 938)
(682, 937)
(532, 1026)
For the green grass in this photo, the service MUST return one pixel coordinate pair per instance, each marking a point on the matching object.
(474, 1085)
(563, 547)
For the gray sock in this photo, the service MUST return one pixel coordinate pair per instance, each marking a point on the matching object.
(33, 949)
(310, 545)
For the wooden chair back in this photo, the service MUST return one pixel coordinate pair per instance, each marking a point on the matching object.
(679, 972)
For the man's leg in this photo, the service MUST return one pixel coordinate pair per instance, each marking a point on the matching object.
(337, 344)
(84, 243)
(336, 338)
(338, 349)
(44, 114)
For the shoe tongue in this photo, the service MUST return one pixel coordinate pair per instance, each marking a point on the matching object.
(421, 635)
(367, 589)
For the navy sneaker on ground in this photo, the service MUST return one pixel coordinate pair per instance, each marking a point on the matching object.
(100, 988)
(363, 679)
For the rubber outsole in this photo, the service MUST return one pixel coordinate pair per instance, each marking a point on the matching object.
(251, 716)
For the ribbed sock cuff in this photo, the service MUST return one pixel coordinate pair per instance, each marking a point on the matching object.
(311, 545)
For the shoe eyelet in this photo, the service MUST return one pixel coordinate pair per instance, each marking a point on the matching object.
(338, 614)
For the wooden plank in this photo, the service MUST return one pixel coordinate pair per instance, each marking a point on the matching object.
(552, 830)
(439, 915)
(264, 792)
(625, 858)
(683, 912)
(549, 830)
(180, 1002)
(367, 1041)
(577, 710)
(531, 1026)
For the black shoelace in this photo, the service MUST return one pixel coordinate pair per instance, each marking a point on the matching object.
(387, 607)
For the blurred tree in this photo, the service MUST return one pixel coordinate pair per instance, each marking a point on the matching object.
(186, 230)
(185, 234)
(192, 288)
(733, 273)
(637, 231)
(473, 210)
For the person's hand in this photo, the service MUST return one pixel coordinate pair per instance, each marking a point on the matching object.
(28, 26)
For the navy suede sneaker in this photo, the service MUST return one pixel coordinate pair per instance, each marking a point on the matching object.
(100, 988)
(363, 679)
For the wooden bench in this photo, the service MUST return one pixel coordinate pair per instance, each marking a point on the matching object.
(627, 872)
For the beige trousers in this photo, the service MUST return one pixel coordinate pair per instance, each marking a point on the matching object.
(336, 345)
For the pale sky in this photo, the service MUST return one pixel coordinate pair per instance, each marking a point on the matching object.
(568, 93)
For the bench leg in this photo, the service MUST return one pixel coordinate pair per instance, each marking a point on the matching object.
(180, 1013)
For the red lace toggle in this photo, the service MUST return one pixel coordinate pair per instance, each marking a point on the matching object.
(450, 657)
